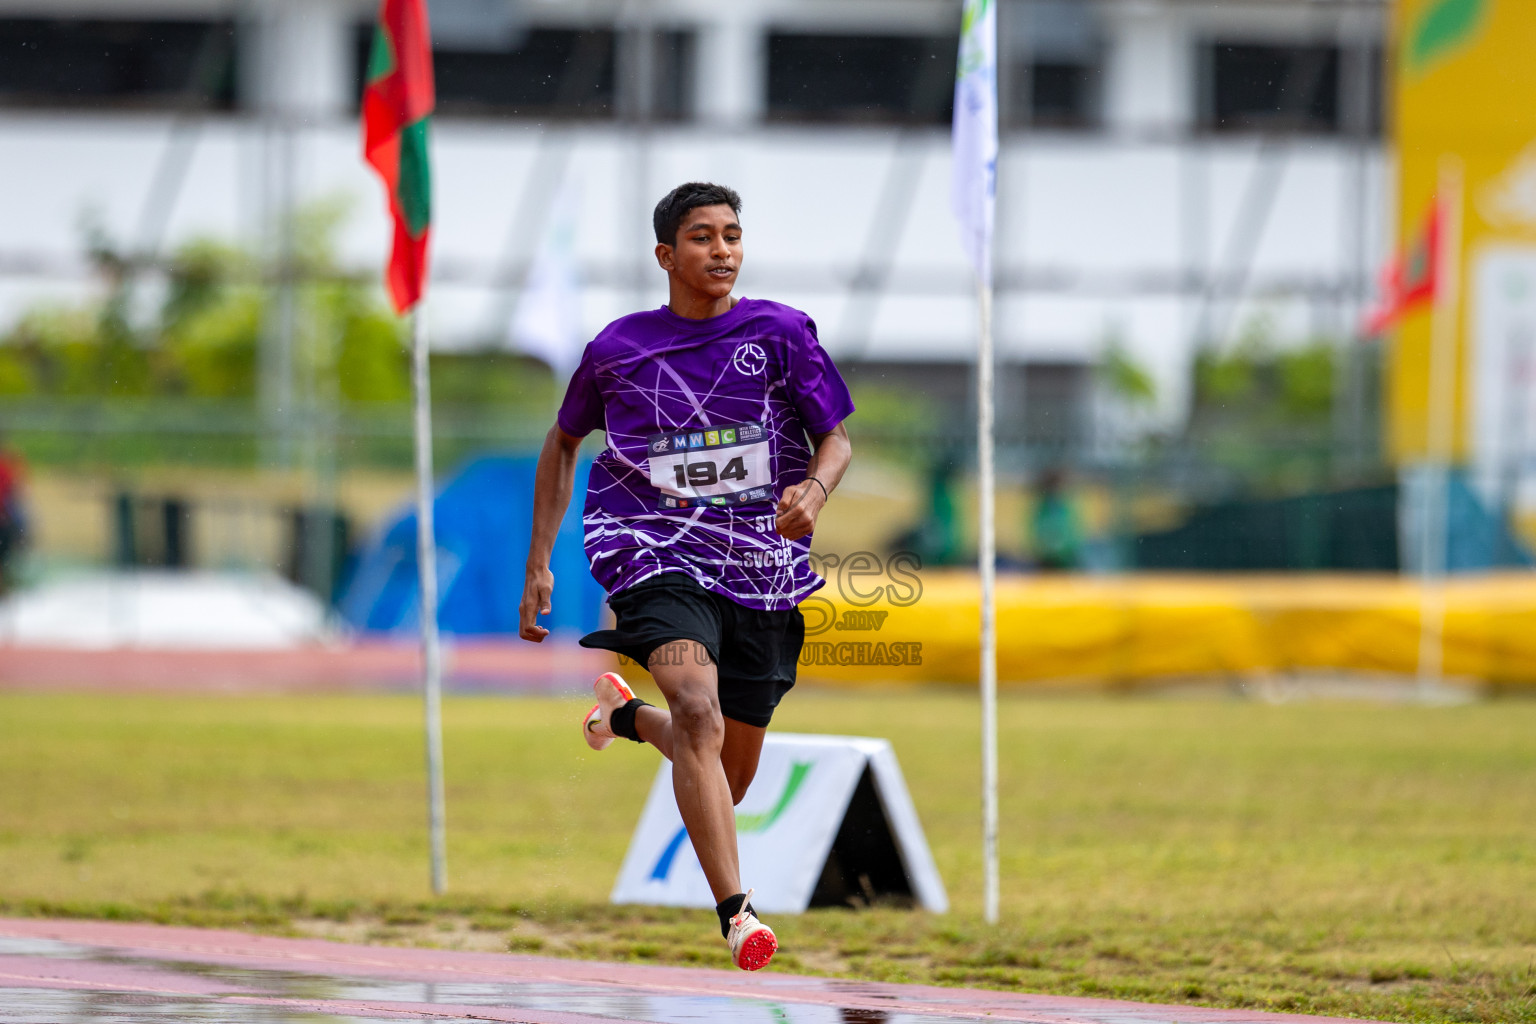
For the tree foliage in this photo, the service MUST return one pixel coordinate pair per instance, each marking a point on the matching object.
(1258, 383)
(1124, 378)
(205, 338)
(1265, 412)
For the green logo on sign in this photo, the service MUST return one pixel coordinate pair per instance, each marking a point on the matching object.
(1442, 27)
(745, 823)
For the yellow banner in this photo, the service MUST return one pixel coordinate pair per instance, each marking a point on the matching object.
(1124, 631)
(1465, 86)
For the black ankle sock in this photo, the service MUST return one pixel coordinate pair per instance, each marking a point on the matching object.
(729, 908)
(622, 721)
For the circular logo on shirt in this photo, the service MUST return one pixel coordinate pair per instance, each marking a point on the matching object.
(750, 359)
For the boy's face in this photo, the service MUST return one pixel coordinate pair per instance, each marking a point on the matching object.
(707, 254)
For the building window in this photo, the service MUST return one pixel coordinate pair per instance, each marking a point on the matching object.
(54, 62)
(665, 59)
(1052, 57)
(1254, 87)
(846, 78)
(673, 100)
(540, 72)
(1055, 95)
(1360, 90)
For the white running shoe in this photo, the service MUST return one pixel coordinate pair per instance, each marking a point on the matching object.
(612, 693)
(752, 942)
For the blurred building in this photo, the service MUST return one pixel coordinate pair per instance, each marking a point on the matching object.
(1172, 171)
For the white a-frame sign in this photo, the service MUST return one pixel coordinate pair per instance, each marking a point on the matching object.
(827, 822)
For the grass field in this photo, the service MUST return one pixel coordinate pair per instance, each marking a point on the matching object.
(1348, 859)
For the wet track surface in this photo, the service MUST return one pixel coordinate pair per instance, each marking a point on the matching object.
(76, 971)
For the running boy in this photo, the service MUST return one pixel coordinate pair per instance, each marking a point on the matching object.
(724, 423)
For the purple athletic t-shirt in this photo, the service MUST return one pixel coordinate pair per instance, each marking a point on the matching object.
(706, 423)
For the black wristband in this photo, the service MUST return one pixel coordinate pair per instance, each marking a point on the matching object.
(826, 495)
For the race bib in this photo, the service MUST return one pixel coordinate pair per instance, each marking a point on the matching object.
(726, 465)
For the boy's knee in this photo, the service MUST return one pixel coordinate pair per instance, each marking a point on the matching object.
(697, 718)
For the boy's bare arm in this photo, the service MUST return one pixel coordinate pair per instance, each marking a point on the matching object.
(552, 483)
(801, 504)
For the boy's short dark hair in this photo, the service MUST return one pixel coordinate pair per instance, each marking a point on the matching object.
(674, 206)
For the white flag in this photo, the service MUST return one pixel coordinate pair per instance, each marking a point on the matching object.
(973, 185)
(547, 322)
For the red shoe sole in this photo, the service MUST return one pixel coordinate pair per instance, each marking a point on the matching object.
(602, 742)
(620, 685)
(757, 951)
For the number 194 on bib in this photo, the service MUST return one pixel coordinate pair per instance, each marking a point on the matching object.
(721, 466)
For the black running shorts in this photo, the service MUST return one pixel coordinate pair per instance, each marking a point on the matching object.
(755, 651)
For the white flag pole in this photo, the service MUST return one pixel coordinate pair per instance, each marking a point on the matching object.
(974, 194)
(987, 563)
(426, 560)
(1434, 523)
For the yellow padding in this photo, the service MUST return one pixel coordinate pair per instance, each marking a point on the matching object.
(1149, 627)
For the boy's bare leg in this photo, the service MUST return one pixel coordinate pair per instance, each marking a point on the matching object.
(738, 755)
(708, 776)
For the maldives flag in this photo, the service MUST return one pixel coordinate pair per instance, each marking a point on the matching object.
(1409, 280)
(397, 109)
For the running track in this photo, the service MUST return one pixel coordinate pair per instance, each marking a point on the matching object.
(79, 971)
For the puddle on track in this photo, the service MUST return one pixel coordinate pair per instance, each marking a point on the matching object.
(69, 1006)
(39, 1005)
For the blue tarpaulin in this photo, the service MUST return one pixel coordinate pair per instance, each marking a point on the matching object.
(484, 516)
